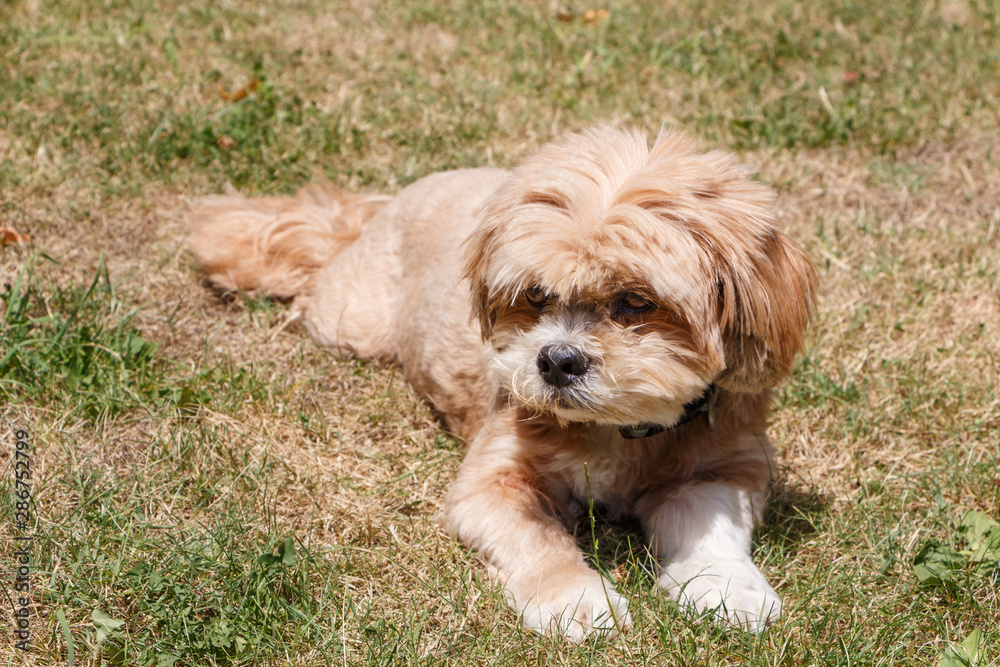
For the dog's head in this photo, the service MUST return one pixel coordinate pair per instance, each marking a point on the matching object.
(616, 282)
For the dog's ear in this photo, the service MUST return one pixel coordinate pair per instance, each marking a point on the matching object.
(764, 306)
(477, 248)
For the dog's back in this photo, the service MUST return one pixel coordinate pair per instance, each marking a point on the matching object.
(371, 276)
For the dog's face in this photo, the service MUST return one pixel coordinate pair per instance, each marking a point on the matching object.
(616, 282)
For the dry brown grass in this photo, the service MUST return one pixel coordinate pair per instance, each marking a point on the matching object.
(909, 255)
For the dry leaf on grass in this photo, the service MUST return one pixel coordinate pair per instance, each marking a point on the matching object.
(241, 93)
(595, 16)
(590, 17)
(10, 236)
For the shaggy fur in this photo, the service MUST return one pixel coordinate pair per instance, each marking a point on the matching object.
(600, 289)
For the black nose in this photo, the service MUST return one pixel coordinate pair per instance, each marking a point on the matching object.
(561, 365)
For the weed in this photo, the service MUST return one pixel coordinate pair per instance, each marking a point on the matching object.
(76, 344)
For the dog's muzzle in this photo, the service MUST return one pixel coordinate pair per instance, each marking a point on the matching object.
(562, 365)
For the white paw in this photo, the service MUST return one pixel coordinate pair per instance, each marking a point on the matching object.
(735, 589)
(573, 602)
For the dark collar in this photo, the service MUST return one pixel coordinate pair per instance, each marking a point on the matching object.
(704, 404)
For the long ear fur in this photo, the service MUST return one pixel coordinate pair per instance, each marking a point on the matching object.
(763, 314)
(477, 249)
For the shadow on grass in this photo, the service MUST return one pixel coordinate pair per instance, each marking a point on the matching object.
(793, 515)
(616, 546)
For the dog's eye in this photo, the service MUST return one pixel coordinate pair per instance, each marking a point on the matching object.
(536, 296)
(633, 303)
(628, 307)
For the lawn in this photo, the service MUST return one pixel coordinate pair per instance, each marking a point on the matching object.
(208, 487)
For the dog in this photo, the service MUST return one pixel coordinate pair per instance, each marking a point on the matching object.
(602, 324)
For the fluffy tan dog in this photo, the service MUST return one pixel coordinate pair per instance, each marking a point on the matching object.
(603, 322)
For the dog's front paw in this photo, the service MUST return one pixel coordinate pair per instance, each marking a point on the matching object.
(571, 601)
(735, 589)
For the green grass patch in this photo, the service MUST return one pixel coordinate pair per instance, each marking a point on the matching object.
(155, 93)
(145, 594)
(76, 344)
(80, 346)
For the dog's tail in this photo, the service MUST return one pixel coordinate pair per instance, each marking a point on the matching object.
(275, 245)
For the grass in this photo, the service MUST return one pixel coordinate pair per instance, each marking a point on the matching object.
(212, 489)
